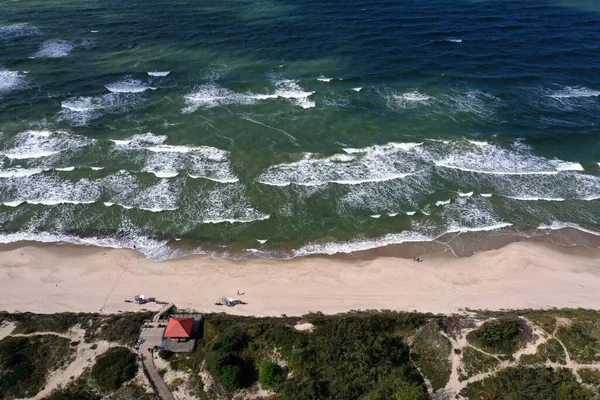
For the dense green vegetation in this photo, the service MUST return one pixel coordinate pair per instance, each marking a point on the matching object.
(359, 355)
(590, 376)
(113, 368)
(475, 362)
(269, 374)
(549, 351)
(499, 336)
(345, 357)
(123, 328)
(525, 383)
(25, 363)
(578, 330)
(430, 352)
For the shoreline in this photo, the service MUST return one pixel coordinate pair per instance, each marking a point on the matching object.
(49, 278)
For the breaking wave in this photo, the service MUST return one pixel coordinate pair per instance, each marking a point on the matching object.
(128, 86)
(54, 49)
(211, 95)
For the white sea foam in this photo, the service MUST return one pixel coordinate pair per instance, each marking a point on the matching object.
(410, 99)
(525, 198)
(568, 166)
(13, 204)
(164, 174)
(81, 110)
(41, 144)
(13, 31)
(411, 212)
(224, 180)
(211, 95)
(454, 40)
(65, 169)
(54, 49)
(10, 80)
(557, 225)
(261, 241)
(50, 190)
(123, 189)
(376, 216)
(499, 225)
(357, 89)
(236, 220)
(291, 90)
(324, 79)
(359, 245)
(373, 164)
(19, 172)
(128, 86)
(153, 249)
(97, 168)
(159, 73)
(165, 160)
(468, 194)
(574, 92)
(393, 214)
(486, 195)
(442, 202)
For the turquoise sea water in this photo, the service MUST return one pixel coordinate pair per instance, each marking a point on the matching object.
(283, 128)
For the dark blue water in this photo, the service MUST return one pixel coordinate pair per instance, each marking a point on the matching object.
(279, 128)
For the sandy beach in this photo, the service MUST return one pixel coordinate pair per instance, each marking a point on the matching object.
(57, 278)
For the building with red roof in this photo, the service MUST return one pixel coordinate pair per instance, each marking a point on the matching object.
(179, 328)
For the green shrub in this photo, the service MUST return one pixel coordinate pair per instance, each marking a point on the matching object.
(475, 362)
(231, 376)
(216, 361)
(497, 336)
(431, 353)
(165, 354)
(527, 383)
(269, 374)
(122, 328)
(25, 363)
(113, 368)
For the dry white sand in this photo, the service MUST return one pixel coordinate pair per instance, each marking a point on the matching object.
(48, 279)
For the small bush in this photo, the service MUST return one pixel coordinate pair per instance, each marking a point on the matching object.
(165, 354)
(231, 376)
(113, 368)
(497, 336)
(269, 374)
(26, 362)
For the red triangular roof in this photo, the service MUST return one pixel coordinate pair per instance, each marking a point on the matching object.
(179, 328)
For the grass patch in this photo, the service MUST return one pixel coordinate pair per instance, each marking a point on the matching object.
(591, 376)
(500, 336)
(113, 368)
(30, 323)
(549, 351)
(26, 362)
(580, 340)
(475, 362)
(526, 383)
(430, 352)
(121, 328)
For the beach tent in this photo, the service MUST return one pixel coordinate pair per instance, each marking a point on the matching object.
(179, 328)
(140, 299)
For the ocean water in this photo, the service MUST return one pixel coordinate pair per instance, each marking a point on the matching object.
(279, 128)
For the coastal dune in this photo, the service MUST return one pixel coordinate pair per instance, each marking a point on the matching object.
(60, 278)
